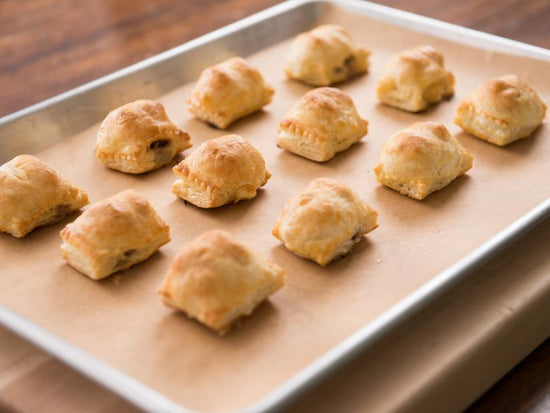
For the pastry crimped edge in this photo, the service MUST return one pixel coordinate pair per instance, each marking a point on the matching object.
(319, 146)
(299, 141)
(139, 160)
(127, 163)
(194, 189)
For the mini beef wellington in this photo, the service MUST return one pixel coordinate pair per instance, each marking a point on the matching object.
(217, 280)
(33, 194)
(326, 55)
(323, 122)
(324, 221)
(421, 159)
(228, 91)
(138, 137)
(415, 79)
(221, 171)
(113, 235)
(501, 111)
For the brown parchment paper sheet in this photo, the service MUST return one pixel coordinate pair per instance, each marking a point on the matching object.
(121, 319)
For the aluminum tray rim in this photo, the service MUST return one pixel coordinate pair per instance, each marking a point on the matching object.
(149, 399)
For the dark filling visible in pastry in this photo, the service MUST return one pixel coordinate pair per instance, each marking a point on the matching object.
(61, 211)
(57, 214)
(348, 66)
(357, 236)
(346, 246)
(125, 258)
(161, 143)
(161, 150)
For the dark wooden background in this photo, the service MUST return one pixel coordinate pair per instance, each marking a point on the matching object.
(50, 46)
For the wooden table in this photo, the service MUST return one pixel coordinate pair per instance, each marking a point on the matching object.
(50, 46)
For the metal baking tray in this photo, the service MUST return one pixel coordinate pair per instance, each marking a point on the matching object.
(53, 120)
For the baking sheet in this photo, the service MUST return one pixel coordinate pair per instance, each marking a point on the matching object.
(122, 322)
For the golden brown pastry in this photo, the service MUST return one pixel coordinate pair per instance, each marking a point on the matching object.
(113, 234)
(323, 122)
(138, 137)
(228, 91)
(421, 159)
(326, 55)
(501, 111)
(324, 221)
(33, 194)
(415, 79)
(221, 171)
(217, 280)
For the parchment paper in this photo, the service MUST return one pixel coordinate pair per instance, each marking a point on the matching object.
(122, 321)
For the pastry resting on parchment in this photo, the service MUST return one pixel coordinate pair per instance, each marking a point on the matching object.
(325, 221)
(501, 111)
(415, 79)
(323, 122)
(421, 159)
(33, 194)
(138, 137)
(228, 91)
(221, 171)
(217, 280)
(113, 234)
(326, 55)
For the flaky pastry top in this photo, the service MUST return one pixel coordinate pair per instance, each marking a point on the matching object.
(110, 225)
(326, 55)
(228, 91)
(325, 113)
(227, 162)
(422, 153)
(216, 275)
(508, 100)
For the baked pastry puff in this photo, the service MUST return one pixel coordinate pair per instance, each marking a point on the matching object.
(33, 194)
(324, 221)
(421, 159)
(221, 171)
(501, 111)
(326, 55)
(113, 234)
(415, 79)
(228, 91)
(217, 280)
(323, 122)
(138, 137)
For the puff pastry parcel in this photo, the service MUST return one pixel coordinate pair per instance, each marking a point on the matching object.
(228, 91)
(219, 172)
(326, 55)
(138, 137)
(323, 122)
(421, 159)
(415, 79)
(501, 111)
(324, 221)
(33, 194)
(217, 280)
(113, 235)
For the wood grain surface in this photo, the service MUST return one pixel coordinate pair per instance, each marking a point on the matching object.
(50, 46)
